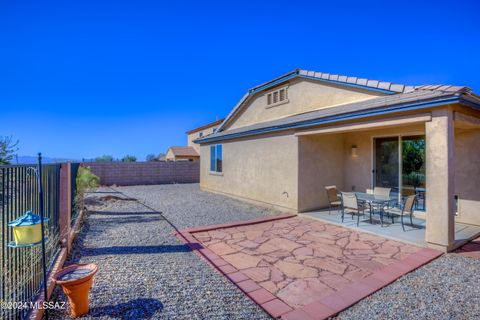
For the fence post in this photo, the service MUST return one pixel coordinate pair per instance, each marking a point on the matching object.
(65, 205)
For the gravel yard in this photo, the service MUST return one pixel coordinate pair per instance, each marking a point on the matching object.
(186, 206)
(447, 288)
(144, 270)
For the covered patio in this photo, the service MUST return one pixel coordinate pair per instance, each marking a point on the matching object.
(433, 155)
(413, 235)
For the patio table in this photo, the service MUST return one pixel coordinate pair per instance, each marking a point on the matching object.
(379, 200)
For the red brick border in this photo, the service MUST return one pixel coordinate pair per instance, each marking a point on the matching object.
(321, 309)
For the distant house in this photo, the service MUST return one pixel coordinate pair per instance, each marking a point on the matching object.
(182, 154)
(201, 132)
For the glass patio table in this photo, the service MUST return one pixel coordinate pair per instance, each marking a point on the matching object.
(380, 201)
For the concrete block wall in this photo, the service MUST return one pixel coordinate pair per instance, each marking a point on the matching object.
(142, 173)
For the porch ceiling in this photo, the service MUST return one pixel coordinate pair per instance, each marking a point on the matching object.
(367, 125)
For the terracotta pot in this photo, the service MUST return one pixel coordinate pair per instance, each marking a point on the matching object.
(76, 281)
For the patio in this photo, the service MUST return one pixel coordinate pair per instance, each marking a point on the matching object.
(302, 268)
(413, 235)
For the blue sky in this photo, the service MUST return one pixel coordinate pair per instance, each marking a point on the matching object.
(86, 78)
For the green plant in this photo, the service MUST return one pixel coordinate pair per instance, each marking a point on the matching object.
(8, 147)
(129, 158)
(104, 158)
(150, 157)
(85, 180)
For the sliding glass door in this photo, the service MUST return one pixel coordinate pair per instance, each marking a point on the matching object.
(386, 163)
(413, 168)
(399, 164)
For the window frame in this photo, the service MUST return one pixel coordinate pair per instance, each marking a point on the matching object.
(216, 159)
(273, 98)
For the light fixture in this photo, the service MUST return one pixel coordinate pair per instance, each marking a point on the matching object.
(354, 151)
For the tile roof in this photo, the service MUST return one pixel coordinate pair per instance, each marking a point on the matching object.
(384, 104)
(340, 79)
(368, 84)
(184, 152)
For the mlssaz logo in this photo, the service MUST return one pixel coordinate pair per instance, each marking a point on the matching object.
(21, 305)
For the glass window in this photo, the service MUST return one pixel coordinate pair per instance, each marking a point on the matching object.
(219, 158)
(200, 134)
(212, 158)
(216, 158)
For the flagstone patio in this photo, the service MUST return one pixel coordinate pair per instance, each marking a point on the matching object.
(301, 265)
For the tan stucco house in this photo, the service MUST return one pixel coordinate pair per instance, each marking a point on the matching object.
(182, 154)
(201, 132)
(288, 138)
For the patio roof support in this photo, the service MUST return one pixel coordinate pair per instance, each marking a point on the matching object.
(440, 174)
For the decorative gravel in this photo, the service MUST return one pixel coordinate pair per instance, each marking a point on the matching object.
(186, 206)
(144, 271)
(447, 288)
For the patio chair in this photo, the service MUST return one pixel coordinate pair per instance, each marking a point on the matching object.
(333, 199)
(406, 208)
(380, 191)
(351, 202)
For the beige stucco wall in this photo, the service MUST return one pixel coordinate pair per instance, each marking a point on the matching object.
(467, 175)
(195, 135)
(170, 156)
(321, 161)
(303, 96)
(264, 169)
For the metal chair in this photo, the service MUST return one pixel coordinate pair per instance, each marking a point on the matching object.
(380, 191)
(350, 201)
(406, 208)
(333, 200)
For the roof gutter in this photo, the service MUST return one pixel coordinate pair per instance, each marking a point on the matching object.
(351, 116)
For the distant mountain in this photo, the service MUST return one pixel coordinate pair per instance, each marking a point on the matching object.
(34, 159)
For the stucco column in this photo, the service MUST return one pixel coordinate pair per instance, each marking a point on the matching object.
(440, 175)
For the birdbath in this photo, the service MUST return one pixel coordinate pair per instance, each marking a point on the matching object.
(76, 281)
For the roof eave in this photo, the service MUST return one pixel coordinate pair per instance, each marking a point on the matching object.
(474, 103)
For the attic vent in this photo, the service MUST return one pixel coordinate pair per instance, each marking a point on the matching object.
(277, 97)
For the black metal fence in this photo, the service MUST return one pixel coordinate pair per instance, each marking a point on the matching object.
(21, 268)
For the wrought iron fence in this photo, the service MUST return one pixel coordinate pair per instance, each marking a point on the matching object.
(21, 268)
